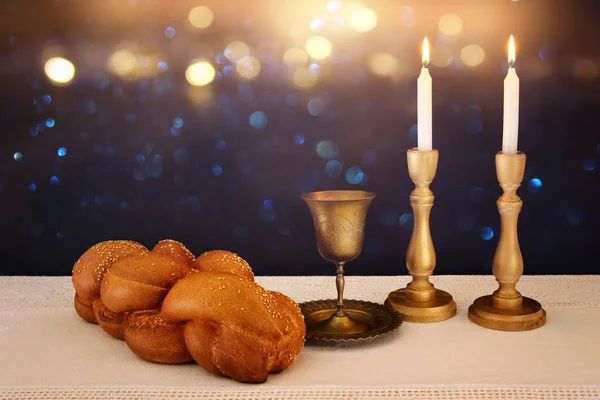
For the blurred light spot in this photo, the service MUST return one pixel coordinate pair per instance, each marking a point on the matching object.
(200, 17)
(298, 138)
(258, 120)
(236, 50)
(383, 64)
(412, 132)
(450, 25)
(248, 67)
(177, 122)
(60, 235)
(53, 180)
(170, 32)
(122, 62)
(181, 156)
(60, 70)
(408, 16)
(486, 233)
(139, 158)
(162, 66)
(354, 175)
(585, 69)
(18, 156)
(474, 126)
(363, 19)
(466, 222)
(47, 99)
(316, 106)
(304, 78)
(318, 47)
(388, 217)
(217, 170)
(221, 145)
(49, 123)
(200, 73)
(478, 195)
(61, 152)
(334, 6)
(546, 53)
(295, 57)
(33, 131)
(32, 187)
(317, 24)
(154, 168)
(406, 220)
(589, 164)
(327, 149)
(472, 55)
(333, 168)
(268, 203)
(90, 106)
(316, 68)
(574, 217)
(534, 185)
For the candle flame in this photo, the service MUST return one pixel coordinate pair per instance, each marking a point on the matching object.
(511, 51)
(425, 58)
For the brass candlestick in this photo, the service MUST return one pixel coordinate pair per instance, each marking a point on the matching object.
(506, 309)
(420, 301)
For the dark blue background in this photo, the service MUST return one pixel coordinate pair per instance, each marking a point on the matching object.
(132, 172)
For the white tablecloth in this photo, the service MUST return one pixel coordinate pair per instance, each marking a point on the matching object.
(47, 351)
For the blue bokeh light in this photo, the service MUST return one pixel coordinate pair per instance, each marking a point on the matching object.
(47, 99)
(170, 32)
(354, 175)
(588, 164)
(162, 66)
(327, 149)
(333, 168)
(486, 233)
(574, 217)
(406, 220)
(177, 122)
(18, 156)
(32, 187)
(54, 180)
(62, 151)
(534, 185)
(412, 132)
(258, 120)
(50, 123)
(299, 138)
(217, 170)
(316, 106)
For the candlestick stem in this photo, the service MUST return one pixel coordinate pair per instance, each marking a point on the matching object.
(420, 301)
(506, 309)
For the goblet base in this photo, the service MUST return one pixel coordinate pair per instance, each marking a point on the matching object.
(343, 325)
(378, 319)
(529, 316)
(441, 308)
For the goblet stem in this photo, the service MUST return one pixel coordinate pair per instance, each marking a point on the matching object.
(339, 283)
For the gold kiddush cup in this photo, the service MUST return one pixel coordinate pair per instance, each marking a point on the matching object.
(506, 309)
(339, 220)
(420, 301)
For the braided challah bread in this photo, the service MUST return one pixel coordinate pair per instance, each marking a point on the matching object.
(235, 327)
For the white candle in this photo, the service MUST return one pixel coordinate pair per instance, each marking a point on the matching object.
(424, 125)
(510, 128)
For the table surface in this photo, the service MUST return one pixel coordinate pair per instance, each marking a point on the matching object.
(47, 351)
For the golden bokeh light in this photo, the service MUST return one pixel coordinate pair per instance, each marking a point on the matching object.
(318, 47)
(450, 25)
(383, 64)
(200, 17)
(363, 19)
(295, 57)
(472, 55)
(512, 52)
(200, 73)
(199, 95)
(304, 78)
(236, 50)
(248, 67)
(59, 70)
(585, 69)
(122, 62)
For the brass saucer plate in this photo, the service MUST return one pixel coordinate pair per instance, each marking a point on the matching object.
(380, 319)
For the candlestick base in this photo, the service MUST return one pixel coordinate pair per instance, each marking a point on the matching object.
(441, 308)
(530, 315)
